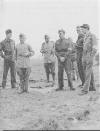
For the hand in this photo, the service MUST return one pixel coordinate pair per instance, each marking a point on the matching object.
(62, 59)
(27, 54)
(24, 55)
(70, 49)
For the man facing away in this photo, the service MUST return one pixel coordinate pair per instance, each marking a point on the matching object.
(23, 54)
(88, 54)
(48, 50)
(7, 52)
(62, 51)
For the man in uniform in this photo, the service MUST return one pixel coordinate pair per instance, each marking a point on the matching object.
(79, 50)
(7, 52)
(88, 54)
(48, 50)
(62, 51)
(23, 54)
(73, 55)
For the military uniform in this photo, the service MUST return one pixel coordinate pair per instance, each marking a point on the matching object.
(79, 49)
(48, 50)
(73, 54)
(88, 55)
(7, 51)
(62, 47)
(23, 65)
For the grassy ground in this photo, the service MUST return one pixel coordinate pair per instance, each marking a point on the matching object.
(43, 108)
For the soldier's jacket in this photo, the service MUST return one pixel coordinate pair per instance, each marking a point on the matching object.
(88, 50)
(21, 60)
(7, 49)
(73, 53)
(62, 48)
(48, 50)
(79, 43)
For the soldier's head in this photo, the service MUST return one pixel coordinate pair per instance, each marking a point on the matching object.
(22, 38)
(8, 33)
(61, 33)
(85, 28)
(47, 38)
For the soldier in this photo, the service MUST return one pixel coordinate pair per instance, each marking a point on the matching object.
(48, 50)
(7, 52)
(88, 54)
(79, 50)
(23, 54)
(73, 55)
(62, 51)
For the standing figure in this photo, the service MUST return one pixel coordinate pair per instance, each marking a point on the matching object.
(62, 51)
(88, 54)
(73, 55)
(23, 54)
(79, 50)
(7, 52)
(48, 51)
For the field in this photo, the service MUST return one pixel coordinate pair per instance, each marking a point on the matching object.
(44, 108)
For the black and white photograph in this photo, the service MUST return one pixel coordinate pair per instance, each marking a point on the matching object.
(49, 65)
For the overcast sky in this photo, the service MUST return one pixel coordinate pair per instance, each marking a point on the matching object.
(35, 18)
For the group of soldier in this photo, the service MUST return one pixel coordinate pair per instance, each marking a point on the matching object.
(74, 58)
(17, 59)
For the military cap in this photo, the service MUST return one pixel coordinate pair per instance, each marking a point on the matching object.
(85, 26)
(46, 35)
(77, 26)
(21, 35)
(8, 31)
(61, 30)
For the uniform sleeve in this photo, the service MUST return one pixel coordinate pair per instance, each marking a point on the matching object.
(0, 46)
(70, 44)
(94, 40)
(42, 48)
(1, 50)
(56, 52)
(70, 48)
(88, 43)
(95, 44)
(31, 52)
(16, 53)
(14, 45)
(53, 49)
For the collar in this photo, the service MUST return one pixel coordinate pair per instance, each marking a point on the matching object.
(7, 40)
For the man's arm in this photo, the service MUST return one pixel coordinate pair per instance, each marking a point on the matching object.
(1, 50)
(42, 49)
(15, 51)
(94, 40)
(56, 52)
(31, 52)
(53, 49)
(94, 44)
(16, 54)
(14, 45)
(70, 48)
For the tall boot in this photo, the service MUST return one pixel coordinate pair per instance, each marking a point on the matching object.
(53, 77)
(47, 74)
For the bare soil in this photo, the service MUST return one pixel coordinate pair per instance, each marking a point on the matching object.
(44, 108)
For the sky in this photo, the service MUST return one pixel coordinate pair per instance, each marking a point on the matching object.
(35, 18)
